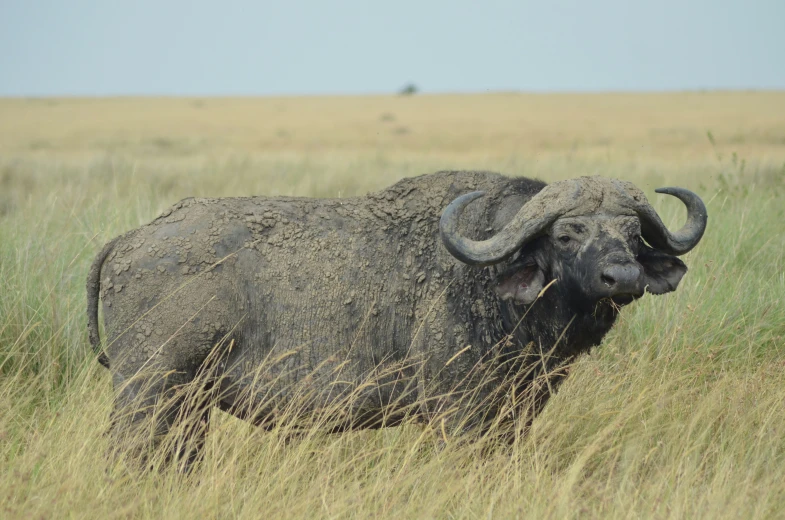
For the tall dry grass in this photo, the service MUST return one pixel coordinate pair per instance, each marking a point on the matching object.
(679, 414)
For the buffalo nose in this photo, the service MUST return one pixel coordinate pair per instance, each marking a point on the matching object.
(621, 278)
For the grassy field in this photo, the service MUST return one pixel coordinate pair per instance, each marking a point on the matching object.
(679, 414)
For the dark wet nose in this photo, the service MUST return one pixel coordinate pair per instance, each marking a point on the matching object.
(621, 278)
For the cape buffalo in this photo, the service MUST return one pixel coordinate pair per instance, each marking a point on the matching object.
(427, 300)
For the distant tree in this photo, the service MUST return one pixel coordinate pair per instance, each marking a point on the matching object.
(408, 90)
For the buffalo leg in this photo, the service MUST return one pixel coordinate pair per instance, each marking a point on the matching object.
(152, 404)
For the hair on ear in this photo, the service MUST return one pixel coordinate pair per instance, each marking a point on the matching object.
(522, 282)
(662, 272)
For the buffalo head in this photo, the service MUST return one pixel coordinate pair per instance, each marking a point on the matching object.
(599, 238)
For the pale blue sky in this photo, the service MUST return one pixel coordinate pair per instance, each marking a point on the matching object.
(231, 47)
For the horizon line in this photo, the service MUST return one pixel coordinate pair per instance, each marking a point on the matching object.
(537, 92)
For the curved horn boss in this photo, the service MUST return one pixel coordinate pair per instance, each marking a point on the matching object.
(533, 217)
(574, 196)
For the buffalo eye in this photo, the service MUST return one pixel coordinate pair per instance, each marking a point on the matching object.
(564, 239)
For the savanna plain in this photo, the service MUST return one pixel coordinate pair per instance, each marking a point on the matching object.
(680, 413)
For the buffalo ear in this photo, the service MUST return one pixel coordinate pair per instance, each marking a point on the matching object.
(661, 272)
(522, 282)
